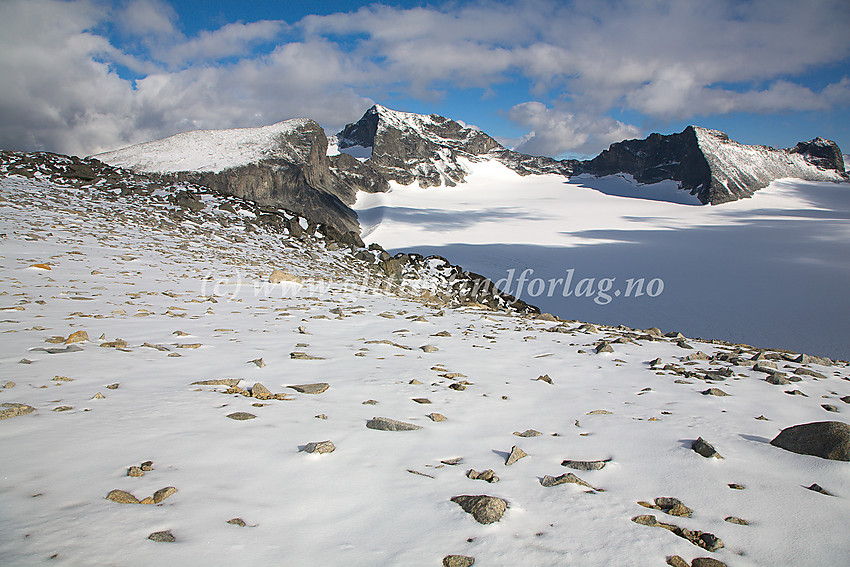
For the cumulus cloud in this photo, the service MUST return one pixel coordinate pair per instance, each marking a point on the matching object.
(582, 62)
(554, 132)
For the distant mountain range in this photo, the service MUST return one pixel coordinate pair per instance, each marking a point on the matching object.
(288, 164)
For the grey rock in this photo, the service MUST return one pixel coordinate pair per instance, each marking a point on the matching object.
(485, 509)
(809, 359)
(122, 497)
(528, 433)
(809, 372)
(387, 424)
(824, 439)
(163, 493)
(714, 392)
(707, 562)
(819, 488)
(777, 379)
(515, 455)
(231, 382)
(487, 476)
(162, 537)
(829, 407)
(704, 448)
(428, 348)
(566, 478)
(736, 520)
(319, 447)
(458, 561)
(604, 347)
(585, 465)
(437, 417)
(317, 388)
(241, 415)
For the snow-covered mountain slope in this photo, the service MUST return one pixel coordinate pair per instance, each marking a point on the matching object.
(170, 296)
(771, 270)
(211, 150)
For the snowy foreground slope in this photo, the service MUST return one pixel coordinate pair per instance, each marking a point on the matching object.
(771, 270)
(157, 290)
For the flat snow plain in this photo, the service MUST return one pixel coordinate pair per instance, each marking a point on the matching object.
(772, 270)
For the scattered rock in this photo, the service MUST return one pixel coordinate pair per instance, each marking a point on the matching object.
(707, 562)
(319, 447)
(146, 466)
(736, 486)
(316, 388)
(98, 396)
(260, 392)
(457, 386)
(734, 520)
(829, 407)
(584, 465)
(122, 497)
(241, 415)
(303, 356)
(62, 408)
(232, 382)
(705, 540)
(599, 412)
(808, 372)
(545, 378)
(237, 522)
(14, 410)
(705, 449)
(77, 337)
(566, 478)
(604, 347)
(819, 488)
(163, 537)
(321, 416)
(485, 509)
(163, 493)
(714, 392)
(135, 471)
(824, 439)
(422, 400)
(528, 433)
(370, 403)
(437, 417)
(676, 561)
(428, 348)
(669, 505)
(487, 476)
(387, 424)
(458, 561)
(777, 379)
(442, 334)
(809, 359)
(259, 362)
(515, 455)
(415, 382)
(121, 343)
(112, 386)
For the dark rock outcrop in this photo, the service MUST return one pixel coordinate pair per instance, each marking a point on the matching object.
(824, 439)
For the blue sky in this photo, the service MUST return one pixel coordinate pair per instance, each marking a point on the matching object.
(547, 77)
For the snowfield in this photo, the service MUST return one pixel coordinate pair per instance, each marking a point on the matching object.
(772, 270)
(187, 295)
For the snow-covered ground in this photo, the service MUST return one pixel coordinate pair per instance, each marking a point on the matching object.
(168, 286)
(772, 270)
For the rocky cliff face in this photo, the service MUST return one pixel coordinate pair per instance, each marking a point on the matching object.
(283, 165)
(715, 168)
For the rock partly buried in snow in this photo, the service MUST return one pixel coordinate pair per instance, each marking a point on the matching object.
(515, 455)
(566, 478)
(77, 337)
(487, 476)
(231, 382)
(316, 388)
(241, 415)
(707, 562)
(705, 540)
(458, 561)
(704, 448)
(163, 537)
(428, 348)
(485, 509)
(319, 447)
(669, 505)
(437, 417)
(14, 410)
(122, 497)
(163, 493)
(584, 465)
(824, 439)
(387, 424)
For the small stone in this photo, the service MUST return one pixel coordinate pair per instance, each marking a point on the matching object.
(734, 520)
(676, 561)
(98, 396)
(604, 347)
(428, 348)
(77, 337)
(442, 334)
(232, 382)
(422, 400)
(566, 478)
(370, 403)
(515, 455)
(645, 520)
(415, 382)
(136, 472)
(112, 386)
(162, 537)
(545, 378)
(62, 408)
(527, 433)
(163, 493)
(14, 410)
(714, 392)
(736, 486)
(9, 384)
(485, 509)
(122, 497)
(458, 561)
(260, 392)
(457, 386)
(316, 388)
(321, 416)
(707, 562)
(487, 476)
(60, 379)
(702, 447)
(237, 522)
(819, 488)
(777, 379)
(673, 506)
(599, 412)
(319, 447)
(303, 356)
(387, 424)
(584, 465)
(241, 415)
(437, 417)
(829, 407)
(259, 362)
(453, 462)
(146, 466)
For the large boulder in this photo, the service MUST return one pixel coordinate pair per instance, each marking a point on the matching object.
(824, 439)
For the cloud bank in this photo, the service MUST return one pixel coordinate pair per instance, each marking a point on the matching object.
(85, 76)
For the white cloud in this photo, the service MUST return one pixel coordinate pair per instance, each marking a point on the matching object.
(554, 132)
(147, 19)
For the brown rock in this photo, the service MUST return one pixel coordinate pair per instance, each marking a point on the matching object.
(122, 497)
(317, 388)
(77, 337)
(163, 493)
